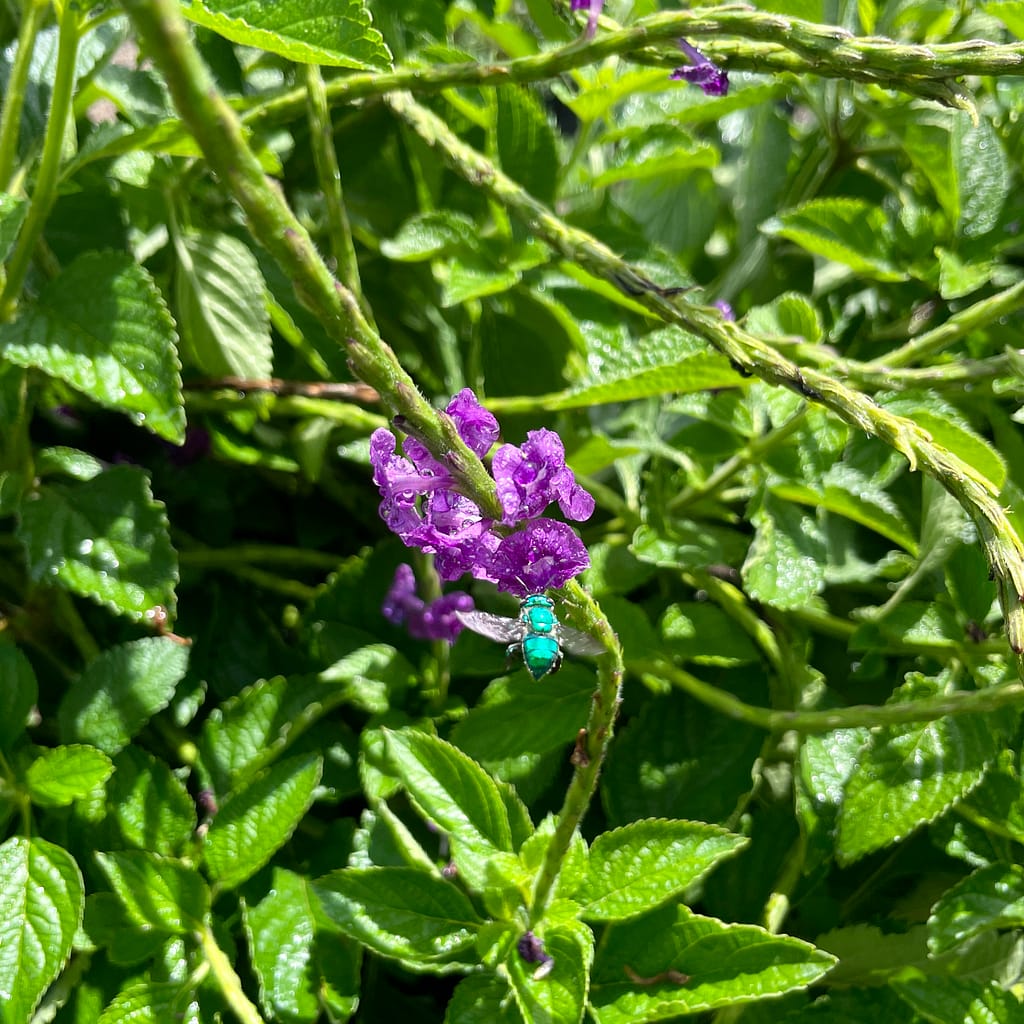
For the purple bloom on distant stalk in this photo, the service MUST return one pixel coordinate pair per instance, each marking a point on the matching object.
(594, 6)
(434, 621)
(701, 71)
(724, 308)
(421, 505)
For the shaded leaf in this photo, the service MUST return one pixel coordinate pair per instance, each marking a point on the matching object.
(18, 694)
(61, 775)
(991, 898)
(158, 892)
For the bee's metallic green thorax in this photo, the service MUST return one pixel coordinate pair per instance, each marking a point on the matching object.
(537, 614)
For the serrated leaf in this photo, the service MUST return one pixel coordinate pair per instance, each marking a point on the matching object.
(103, 328)
(482, 999)
(12, 215)
(991, 898)
(785, 566)
(18, 694)
(149, 804)
(157, 892)
(281, 930)
(255, 822)
(409, 915)
(219, 290)
(787, 315)
(41, 901)
(960, 1000)
(337, 33)
(638, 867)
(61, 775)
(908, 775)
(120, 691)
(981, 172)
(673, 962)
(151, 1002)
(560, 996)
(105, 538)
(428, 235)
(517, 717)
(853, 232)
(458, 796)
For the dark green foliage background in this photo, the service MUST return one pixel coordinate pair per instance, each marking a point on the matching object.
(229, 788)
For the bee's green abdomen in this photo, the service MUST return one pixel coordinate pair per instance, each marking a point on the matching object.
(540, 654)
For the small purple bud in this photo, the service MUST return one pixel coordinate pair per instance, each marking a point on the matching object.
(701, 72)
(594, 7)
(724, 308)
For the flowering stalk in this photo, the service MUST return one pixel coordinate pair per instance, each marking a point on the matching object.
(216, 128)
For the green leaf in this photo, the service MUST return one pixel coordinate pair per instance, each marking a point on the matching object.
(105, 538)
(68, 462)
(281, 930)
(252, 824)
(908, 775)
(702, 633)
(149, 804)
(337, 33)
(219, 291)
(425, 236)
(785, 566)
(982, 174)
(992, 898)
(18, 694)
(650, 151)
(560, 995)
(482, 999)
(157, 892)
(473, 275)
(673, 962)
(785, 316)
(516, 717)
(642, 865)
(60, 776)
(456, 794)
(853, 232)
(525, 142)
(12, 215)
(960, 1000)
(41, 901)
(150, 1002)
(103, 328)
(120, 691)
(417, 918)
(1010, 13)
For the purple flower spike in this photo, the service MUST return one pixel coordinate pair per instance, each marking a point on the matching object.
(531, 477)
(476, 426)
(434, 621)
(594, 6)
(543, 555)
(701, 71)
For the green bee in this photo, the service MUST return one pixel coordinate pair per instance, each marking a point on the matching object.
(536, 636)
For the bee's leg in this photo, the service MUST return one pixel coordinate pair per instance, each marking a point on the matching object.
(556, 664)
(513, 653)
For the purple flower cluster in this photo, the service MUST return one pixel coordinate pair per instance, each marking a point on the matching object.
(701, 71)
(523, 554)
(434, 621)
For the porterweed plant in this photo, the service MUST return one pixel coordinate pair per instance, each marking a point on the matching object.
(340, 339)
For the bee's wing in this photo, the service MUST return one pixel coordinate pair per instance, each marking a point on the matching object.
(494, 627)
(576, 642)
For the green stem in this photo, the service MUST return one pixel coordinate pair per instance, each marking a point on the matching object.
(45, 191)
(765, 42)
(339, 231)
(929, 709)
(165, 37)
(751, 356)
(14, 98)
(227, 980)
(591, 748)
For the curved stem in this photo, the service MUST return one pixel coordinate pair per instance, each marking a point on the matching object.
(216, 128)
(14, 98)
(751, 356)
(227, 980)
(45, 191)
(591, 747)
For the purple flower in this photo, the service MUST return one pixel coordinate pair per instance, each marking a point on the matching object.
(531, 949)
(434, 621)
(701, 71)
(543, 555)
(421, 505)
(594, 6)
(724, 308)
(531, 477)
